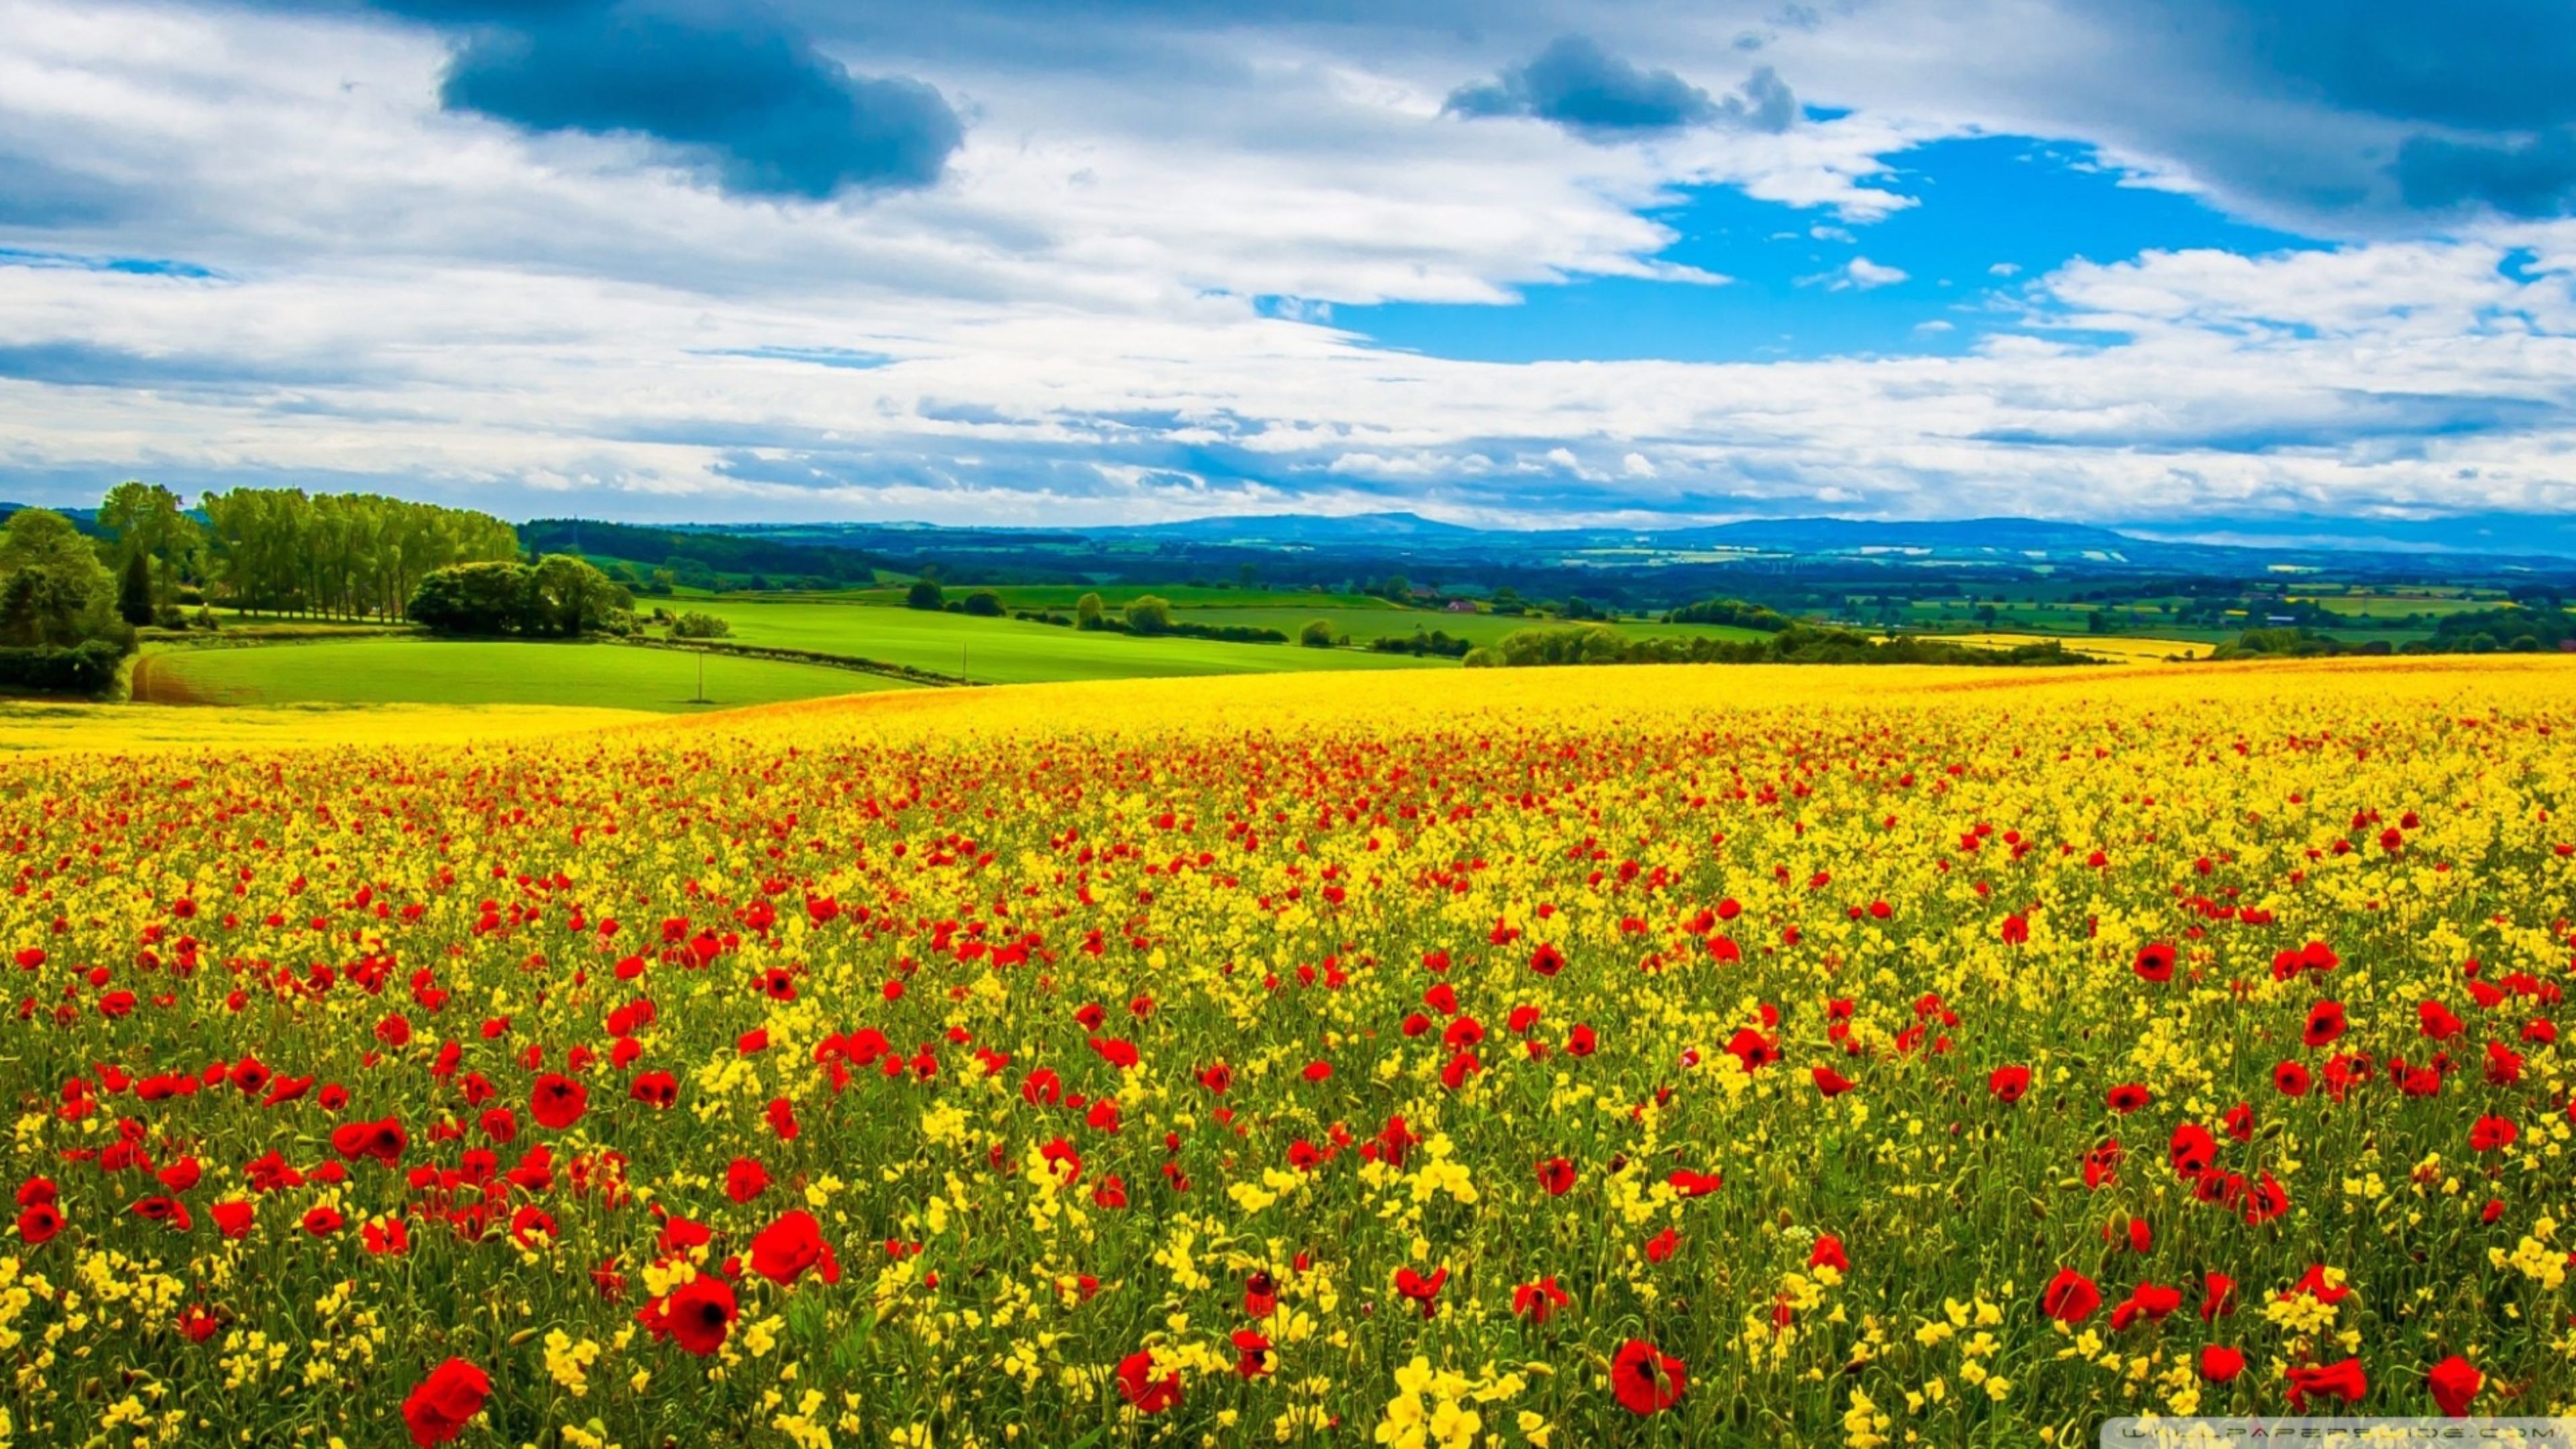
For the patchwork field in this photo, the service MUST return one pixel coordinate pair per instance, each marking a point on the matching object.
(1682, 1056)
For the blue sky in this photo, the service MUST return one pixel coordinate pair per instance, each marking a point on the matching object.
(1989, 214)
(2234, 265)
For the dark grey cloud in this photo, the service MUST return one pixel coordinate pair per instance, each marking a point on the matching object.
(1576, 84)
(2449, 107)
(2535, 178)
(746, 100)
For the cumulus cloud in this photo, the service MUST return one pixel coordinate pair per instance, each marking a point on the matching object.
(1576, 84)
(751, 103)
(1860, 274)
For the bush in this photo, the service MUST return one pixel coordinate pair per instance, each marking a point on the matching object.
(985, 604)
(1317, 634)
(695, 625)
(1149, 614)
(87, 668)
(925, 594)
(1089, 612)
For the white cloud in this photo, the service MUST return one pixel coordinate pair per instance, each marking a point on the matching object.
(1068, 326)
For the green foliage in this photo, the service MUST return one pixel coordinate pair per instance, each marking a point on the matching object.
(1436, 644)
(85, 668)
(1797, 644)
(345, 555)
(985, 604)
(1735, 612)
(1089, 612)
(558, 597)
(1318, 634)
(925, 594)
(695, 625)
(1149, 614)
(134, 589)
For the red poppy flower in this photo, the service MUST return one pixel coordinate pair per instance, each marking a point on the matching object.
(1422, 1290)
(557, 1101)
(2008, 1084)
(1547, 960)
(1538, 1301)
(1686, 1183)
(2291, 1079)
(2325, 1023)
(2454, 1383)
(232, 1217)
(2218, 1295)
(2220, 1364)
(323, 1221)
(2345, 1381)
(1138, 1386)
(2070, 1297)
(656, 1089)
(745, 1179)
(2155, 961)
(1829, 1253)
(1556, 1175)
(1645, 1378)
(2488, 1134)
(38, 1224)
(1661, 1247)
(384, 1141)
(440, 1406)
(1252, 1354)
(1830, 1082)
(783, 1251)
(2150, 1301)
(697, 1315)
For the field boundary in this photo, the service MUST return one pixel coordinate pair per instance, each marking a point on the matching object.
(783, 655)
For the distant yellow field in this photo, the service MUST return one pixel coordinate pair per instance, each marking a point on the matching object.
(30, 727)
(2115, 649)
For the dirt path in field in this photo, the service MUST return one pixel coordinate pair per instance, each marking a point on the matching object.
(150, 685)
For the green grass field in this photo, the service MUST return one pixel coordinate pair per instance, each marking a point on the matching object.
(1062, 597)
(425, 671)
(1013, 651)
(1363, 625)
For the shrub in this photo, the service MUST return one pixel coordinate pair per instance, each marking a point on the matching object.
(85, 668)
(695, 625)
(1318, 634)
(985, 604)
(925, 594)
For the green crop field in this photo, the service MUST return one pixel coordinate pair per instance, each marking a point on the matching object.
(429, 671)
(1013, 651)
(1062, 597)
(1363, 625)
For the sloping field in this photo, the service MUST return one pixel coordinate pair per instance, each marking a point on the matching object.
(440, 671)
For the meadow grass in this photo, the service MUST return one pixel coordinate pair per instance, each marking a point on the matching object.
(458, 672)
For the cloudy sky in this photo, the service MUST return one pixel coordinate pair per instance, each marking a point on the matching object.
(2216, 265)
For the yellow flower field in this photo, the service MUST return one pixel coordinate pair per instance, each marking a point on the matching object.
(1682, 1055)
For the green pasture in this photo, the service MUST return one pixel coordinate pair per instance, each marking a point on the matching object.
(1013, 651)
(438, 671)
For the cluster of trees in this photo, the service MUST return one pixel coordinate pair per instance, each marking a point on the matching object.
(59, 628)
(2539, 630)
(1151, 615)
(340, 555)
(1438, 643)
(1734, 612)
(557, 597)
(1796, 644)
